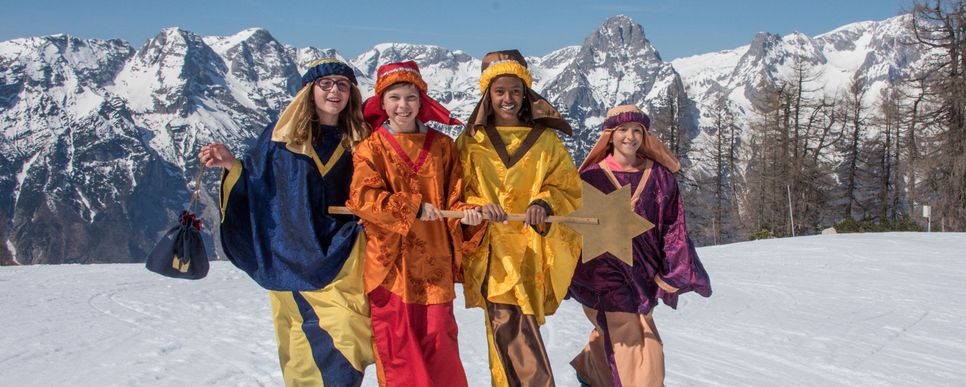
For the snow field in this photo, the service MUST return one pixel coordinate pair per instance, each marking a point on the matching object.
(858, 309)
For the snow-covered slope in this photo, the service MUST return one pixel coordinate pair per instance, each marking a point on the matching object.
(870, 309)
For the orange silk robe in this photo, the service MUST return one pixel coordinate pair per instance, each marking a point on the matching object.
(417, 260)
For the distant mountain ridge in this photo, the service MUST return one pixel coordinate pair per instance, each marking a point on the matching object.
(99, 138)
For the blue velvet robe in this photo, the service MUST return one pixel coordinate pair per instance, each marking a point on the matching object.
(275, 224)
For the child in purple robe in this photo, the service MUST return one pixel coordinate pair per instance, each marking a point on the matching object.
(625, 348)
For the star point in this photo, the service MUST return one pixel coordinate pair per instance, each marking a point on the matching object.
(618, 224)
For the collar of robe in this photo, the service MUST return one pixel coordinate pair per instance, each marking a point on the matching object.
(386, 132)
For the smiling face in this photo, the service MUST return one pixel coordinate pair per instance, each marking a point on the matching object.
(506, 99)
(401, 103)
(329, 103)
(627, 139)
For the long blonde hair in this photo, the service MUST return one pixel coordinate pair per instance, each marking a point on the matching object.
(351, 122)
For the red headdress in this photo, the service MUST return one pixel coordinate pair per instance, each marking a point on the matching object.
(408, 71)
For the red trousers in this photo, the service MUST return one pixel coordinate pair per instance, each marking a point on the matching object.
(415, 344)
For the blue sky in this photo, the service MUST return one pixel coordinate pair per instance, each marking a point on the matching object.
(677, 28)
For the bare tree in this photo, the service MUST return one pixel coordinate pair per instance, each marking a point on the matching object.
(720, 153)
(914, 89)
(941, 26)
(854, 115)
(767, 165)
(668, 123)
(885, 154)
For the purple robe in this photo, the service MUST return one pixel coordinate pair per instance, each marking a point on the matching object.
(608, 284)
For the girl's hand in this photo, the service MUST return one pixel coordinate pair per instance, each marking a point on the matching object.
(216, 155)
(494, 213)
(472, 217)
(430, 212)
(536, 215)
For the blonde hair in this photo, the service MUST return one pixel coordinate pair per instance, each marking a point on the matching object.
(351, 122)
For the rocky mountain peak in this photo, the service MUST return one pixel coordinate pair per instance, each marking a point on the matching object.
(763, 43)
(768, 53)
(424, 55)
(168, 70)
(175, 43)
(256, 35)
(255, 58)
(803, 47)
(615, 65)
(845, 37)
(619, 55)
(59, 60)
(621, 34)
(251, 38)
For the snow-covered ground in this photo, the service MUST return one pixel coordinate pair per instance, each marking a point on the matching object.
(872, 309)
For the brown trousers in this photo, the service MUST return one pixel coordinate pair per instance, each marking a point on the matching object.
(623, 346)
(517, 354)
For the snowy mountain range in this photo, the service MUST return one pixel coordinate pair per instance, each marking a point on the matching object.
(877, 52)
(98, 138)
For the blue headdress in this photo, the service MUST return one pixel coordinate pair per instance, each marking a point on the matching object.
(325, 67)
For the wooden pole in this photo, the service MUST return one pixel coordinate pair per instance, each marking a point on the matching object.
(339, 210)
(606, 221)
(791, 215)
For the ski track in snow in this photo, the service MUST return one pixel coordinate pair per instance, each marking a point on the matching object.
(872, 309)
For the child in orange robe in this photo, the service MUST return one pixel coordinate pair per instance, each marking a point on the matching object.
(405, 173)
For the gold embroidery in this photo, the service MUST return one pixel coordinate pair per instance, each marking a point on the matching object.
(179, 266)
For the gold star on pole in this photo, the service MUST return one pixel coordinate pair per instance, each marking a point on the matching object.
(618, 224)
(607, 222)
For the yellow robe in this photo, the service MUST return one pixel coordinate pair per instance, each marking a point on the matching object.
(525, 269)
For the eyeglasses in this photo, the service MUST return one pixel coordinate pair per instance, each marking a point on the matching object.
(326, 84)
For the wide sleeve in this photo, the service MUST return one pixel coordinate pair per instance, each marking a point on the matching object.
(453, 187)
(682, 271)
(470, 194)
(236, 229)
(233, 193)
(560, 191)
(465, 238)
(454, 182)
(231, 182)
(372, 199)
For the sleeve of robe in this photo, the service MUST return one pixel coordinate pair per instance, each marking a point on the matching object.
(462, 241)
(682, 269)
(561, 185)
(473, 236)
(370, 197)
(561, 190)
(236, 224)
